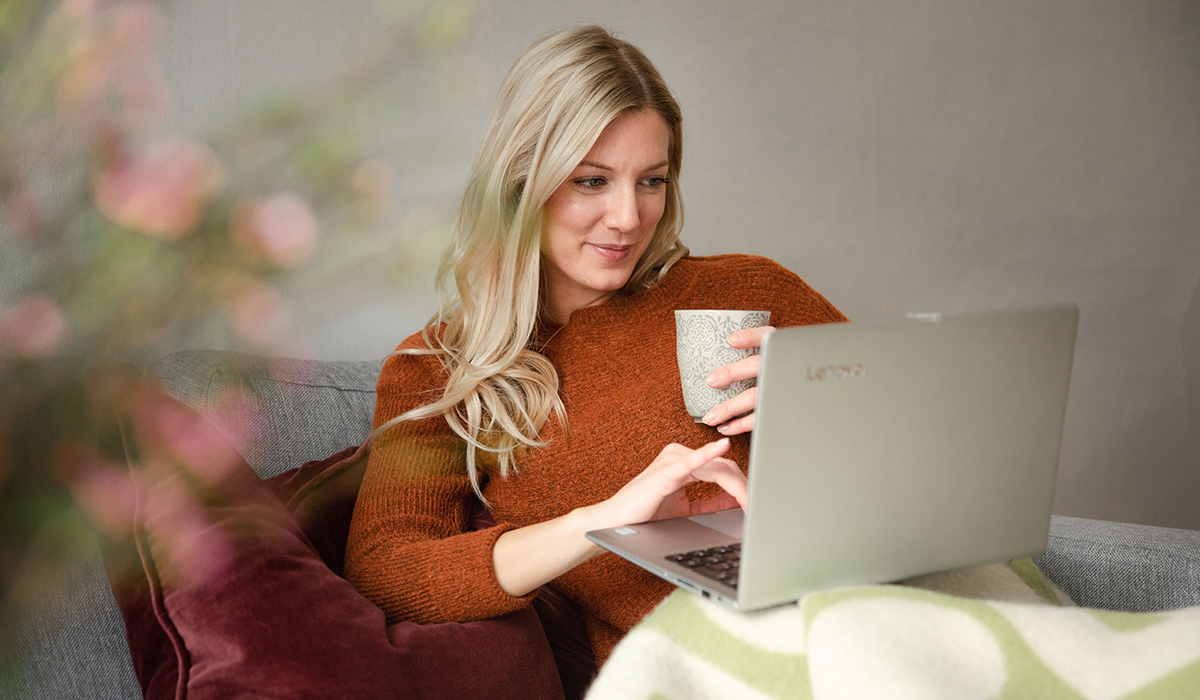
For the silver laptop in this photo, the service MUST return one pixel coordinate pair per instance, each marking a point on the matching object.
(882, 451)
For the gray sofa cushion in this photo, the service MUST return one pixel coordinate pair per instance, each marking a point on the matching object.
(1116, 566)
(74, 643)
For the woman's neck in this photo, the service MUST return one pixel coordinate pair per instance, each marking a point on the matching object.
(557, 309)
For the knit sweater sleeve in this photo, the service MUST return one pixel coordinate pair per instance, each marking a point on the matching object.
(409, 550)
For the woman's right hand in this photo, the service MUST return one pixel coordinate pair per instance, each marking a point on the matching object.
(658, 491)
(527, 557)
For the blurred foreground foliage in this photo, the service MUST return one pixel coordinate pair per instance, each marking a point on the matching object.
(121, 238)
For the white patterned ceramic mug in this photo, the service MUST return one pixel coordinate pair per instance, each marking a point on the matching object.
(700, 342)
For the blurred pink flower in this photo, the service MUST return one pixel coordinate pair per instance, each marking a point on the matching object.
(34, 327)
(72, 24)
(183, 460)
(174, 432)
(162, 191)
(133, 27)
(112, 64)
(260, 314)
(188, 548)
(105, 494)
(282, 230)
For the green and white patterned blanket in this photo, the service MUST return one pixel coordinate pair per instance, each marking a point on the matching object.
(900, 642)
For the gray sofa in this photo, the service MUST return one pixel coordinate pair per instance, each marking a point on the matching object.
(75, 645)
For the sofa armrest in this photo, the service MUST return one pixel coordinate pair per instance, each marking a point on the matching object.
(1118, 566)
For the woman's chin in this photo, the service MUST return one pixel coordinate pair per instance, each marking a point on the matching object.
(612, 285)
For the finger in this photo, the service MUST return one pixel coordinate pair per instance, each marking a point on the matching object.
(745, 368)
(744, 424)
(670, 454)
(720, 464)
(680, 471)
(742, 403)
(659, 490)
(749, 337)
(672, 450)
(728, 476)
(708, 453)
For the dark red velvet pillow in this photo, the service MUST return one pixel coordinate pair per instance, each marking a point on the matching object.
(238, 595)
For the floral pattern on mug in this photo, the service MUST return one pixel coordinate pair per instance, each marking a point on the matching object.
(701, 347)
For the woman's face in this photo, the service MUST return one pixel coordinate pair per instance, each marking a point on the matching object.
(598, 223)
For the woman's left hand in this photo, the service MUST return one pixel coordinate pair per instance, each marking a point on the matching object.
(746, 368)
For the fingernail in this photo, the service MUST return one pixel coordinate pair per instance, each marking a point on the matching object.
(710, 380)
(710, 418)
(722, 430)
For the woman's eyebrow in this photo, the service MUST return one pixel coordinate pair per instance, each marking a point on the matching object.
(594, 164)
(599, 166)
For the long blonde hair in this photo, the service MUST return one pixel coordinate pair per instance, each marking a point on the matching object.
(553, 104)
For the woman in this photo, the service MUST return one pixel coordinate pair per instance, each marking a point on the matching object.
(547, 383)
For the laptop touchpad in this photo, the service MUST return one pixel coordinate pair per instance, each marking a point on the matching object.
(728, 522)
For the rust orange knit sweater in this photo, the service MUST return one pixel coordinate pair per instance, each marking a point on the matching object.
(409, 550)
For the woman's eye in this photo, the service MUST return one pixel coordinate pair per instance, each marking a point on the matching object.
(655, 181)
(590, 182)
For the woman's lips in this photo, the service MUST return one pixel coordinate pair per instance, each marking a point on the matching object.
(612, 253)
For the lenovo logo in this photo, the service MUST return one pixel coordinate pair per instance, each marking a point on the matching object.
(836, 372)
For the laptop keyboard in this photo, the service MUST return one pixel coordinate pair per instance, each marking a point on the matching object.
(717, 563)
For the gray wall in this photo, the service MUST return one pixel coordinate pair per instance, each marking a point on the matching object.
(933, 155)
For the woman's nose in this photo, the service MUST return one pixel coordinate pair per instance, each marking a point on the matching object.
(623, 209)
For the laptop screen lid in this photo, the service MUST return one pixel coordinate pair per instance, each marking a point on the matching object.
(887, 450)
(883, 451)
